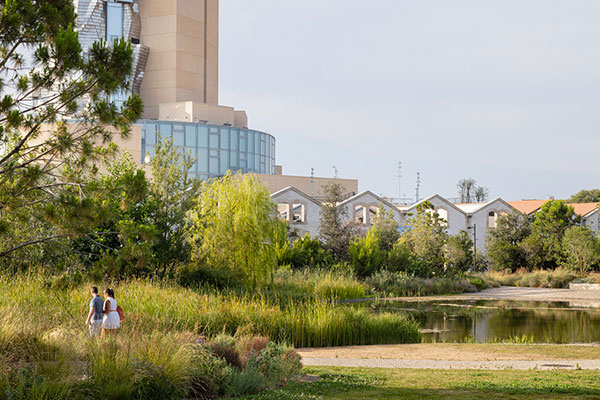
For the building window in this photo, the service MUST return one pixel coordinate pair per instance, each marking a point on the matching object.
(443, 214)
(114, 21)
(373, 213)
(492, 219)
(284, 211)
(360, 214)
(298, 213)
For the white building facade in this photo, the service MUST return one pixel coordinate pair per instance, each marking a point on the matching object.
(303, 213)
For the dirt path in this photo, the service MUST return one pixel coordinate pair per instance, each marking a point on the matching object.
(590, 298)
(433, 364)
(464, 356)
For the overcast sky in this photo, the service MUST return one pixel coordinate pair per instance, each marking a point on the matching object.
(506, 92)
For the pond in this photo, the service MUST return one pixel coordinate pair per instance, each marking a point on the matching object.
(500, 320)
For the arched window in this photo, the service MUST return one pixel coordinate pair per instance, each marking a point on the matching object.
(443, 214)
(492, 219)
(373, 213)
(360, 214)
(298, 213)
(284, 211)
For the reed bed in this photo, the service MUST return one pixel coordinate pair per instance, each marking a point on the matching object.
(319, 284)
(400, 284)
(558, 278)
(152, 306)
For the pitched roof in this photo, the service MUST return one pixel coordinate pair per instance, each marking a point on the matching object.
(528, 206)
(531, 206)
(583, 209)
(444, 200)
(297, 191)
(367, 192)
(470, 207)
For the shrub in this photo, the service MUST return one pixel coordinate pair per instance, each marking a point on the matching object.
(305, 252)
(402, 259)
(277, 363)
(558, 278)
(401, 284)
(224, 347)
(248, 381)
(365, 255)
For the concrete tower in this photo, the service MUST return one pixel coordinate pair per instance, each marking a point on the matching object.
(181, 79)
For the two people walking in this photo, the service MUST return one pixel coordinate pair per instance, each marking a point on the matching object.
(103, 317)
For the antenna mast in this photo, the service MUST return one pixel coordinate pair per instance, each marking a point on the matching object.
(312, 182)
(418, 186)
(399, 182)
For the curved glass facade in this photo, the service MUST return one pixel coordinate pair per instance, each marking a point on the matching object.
(218, 148)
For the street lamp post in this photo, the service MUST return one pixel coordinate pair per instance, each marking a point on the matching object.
(474, 227)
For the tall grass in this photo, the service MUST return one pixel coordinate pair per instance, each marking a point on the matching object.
(558, 278)
(320, 284)
(46, 353)
(160, 306)
(400, 284)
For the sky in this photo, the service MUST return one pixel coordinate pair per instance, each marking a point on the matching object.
(504, 92)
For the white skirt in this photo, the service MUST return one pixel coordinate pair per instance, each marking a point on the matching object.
(111, 320)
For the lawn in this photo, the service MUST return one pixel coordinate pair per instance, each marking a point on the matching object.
(356, 383)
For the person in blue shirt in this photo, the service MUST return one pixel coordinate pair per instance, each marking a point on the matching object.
(94, 318)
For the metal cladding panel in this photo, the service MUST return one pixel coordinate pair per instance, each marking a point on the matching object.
(91, 22)
(91, 26)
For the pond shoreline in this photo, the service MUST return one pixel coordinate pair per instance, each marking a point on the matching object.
(589, 298)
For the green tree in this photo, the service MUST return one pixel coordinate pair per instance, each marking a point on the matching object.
(234, 226)
(401, 258)
(173, 192)
(366, 255)
(45, 162)
(385, 229)
(426, 235)
(544, 245)
(458, 253)
(582, 249)
(586, 196)
(305, 252)
(335, 231)
(119, 240)
(504, 242)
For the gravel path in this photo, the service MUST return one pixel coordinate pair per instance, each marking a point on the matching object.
(437, 364)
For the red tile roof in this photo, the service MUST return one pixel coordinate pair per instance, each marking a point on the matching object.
(531, 206)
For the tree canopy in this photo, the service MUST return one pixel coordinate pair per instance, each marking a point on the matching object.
(586, 196)
(56, 121)
(234, 226)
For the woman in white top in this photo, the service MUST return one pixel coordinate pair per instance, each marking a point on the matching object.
(110, 321)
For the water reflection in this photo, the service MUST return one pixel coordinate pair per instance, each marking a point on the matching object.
(487, 321)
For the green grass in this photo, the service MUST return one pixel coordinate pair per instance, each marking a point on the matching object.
(378, 384)
(319, 284)
(158, 306)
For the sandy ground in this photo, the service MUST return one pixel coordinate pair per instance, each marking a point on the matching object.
(472, 356)
(583, 297)
(457, 352)
(432, 364)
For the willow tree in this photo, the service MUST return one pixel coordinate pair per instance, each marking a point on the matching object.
(56, 121)
(234, 226)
